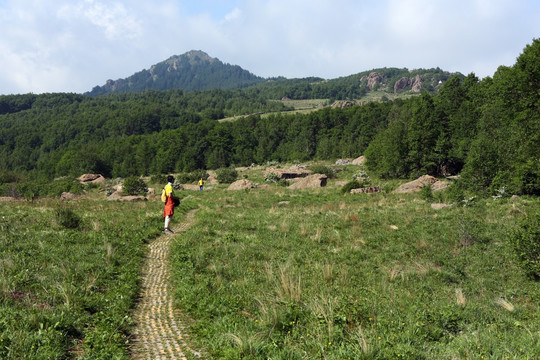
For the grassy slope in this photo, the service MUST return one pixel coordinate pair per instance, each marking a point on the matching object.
(316, 274)
(69, 292)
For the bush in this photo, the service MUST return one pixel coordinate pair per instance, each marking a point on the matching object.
(158, 179)
(67, 218)
(272, 177)
(134, 185)
(525, 241)
(322, 169)
(426, 193)
(226, 175)
(355, 184)
(194, 176)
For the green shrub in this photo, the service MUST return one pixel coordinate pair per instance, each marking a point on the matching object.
(134, 185)
(67, 218)
(525, 241)
(194, 176)
(158, 179)
(355, 184)
(226, 175)
(322, 169)
(272, 177)
(426, 193)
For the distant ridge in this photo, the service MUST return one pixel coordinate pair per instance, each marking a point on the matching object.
(194, 70)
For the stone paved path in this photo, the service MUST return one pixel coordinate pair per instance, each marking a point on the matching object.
(159, 332)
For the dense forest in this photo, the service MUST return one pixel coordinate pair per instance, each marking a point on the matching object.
(487, 131)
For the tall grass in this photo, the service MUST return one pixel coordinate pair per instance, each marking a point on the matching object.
(318, 274)
(69, 276)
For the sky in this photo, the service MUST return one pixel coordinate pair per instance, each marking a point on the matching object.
(74, 45)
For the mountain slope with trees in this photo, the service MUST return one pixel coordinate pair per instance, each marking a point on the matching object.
(485, 130)
(194, 70)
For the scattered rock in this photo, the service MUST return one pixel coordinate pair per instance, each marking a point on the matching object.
(343, 104)
(416, 185)
(343, 162)
(440, 185)
(291, 173)
(440, 206)
(94, 178)
(359, 160)
(366, 190)
(241, 185)
(68, 196)
(394, 227)
(310, 181)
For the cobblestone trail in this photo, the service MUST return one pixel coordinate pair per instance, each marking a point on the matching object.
(159, 332)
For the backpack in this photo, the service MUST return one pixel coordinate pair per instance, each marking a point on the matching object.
(163, 196)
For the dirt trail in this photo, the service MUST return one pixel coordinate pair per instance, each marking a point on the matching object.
(159, 332)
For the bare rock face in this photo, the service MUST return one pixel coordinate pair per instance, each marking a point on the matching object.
(373, 79)
(401, 84)
(417, 84)
(241, 185)
(311, 181)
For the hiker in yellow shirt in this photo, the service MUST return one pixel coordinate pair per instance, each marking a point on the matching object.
(169, 204)
(201, 183)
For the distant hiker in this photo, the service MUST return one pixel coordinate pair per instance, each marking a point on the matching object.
(169, 203)
(201, 183)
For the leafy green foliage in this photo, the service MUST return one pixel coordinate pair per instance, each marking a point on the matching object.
(354, 184)
(525, 240)
(134, 185)
(226, 175)
(323, 169)
(67, 218)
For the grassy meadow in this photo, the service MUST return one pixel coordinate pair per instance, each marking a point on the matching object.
(274, 274)
(69, 276)
(316, 274)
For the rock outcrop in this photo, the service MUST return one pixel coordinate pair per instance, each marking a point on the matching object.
(373, 79)
(359, 160)
(94, 178)
(291, 173)
(310, 181)
(366, 190)
(417, 84)
(241, 185)
(401, 84)
(418, 184)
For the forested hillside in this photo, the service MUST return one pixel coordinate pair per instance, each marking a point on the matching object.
(488, 131)
(194, 70)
